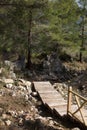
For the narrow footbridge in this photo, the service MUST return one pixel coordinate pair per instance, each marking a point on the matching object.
(55, 102)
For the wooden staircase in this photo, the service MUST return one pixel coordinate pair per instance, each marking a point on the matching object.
(54, 101)
(50, 97)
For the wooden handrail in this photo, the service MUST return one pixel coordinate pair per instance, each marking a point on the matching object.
(77, 95)
(80, 106)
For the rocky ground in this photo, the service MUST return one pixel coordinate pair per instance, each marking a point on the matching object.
(20, 107)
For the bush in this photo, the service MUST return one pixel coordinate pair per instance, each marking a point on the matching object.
(65, 57)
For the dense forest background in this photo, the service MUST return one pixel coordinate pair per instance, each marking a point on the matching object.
(39, 27)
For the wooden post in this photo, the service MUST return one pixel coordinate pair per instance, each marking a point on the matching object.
(69, 103)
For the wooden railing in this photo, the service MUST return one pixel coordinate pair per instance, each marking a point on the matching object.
(76, 109)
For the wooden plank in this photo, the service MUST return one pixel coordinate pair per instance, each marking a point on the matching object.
(57, 105)
(61, 112)
(54, 101)
(47, 91)
(48, 101)
(49, 96)
(42, 85)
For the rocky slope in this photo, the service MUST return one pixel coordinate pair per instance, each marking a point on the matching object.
(20, 107)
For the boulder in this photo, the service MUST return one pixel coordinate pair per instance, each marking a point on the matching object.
(8, 81)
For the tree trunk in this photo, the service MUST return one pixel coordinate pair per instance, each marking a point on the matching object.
(29, 41)
(82, 44)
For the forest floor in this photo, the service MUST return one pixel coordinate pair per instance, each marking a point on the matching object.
(20, 107)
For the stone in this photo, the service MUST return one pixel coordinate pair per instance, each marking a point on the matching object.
(76, 128)
(12, 113)
(21, 122)
(8, 63)
(2, 123)
(29, 89)
(28, 83)
(26, 97)
(22, 81)
(8, 81)
(8, 122)
(2, 92)
(12, 75)
(4, 116)
(1, 70)
(51, 123)
(1, 111)
(20, 112)
(9, 86)
(34, 94)
(22, 88)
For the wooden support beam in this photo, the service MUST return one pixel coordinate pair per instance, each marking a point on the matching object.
(80, 110)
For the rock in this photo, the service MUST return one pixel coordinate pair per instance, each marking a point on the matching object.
(21, 81)
(4, 116)
(8, 63)
(12, 113)
(8, 81)
(1, 111)
(26, 97)
(20, 112)
(12, 75)
(19, 64)
(22, 88)
(1, 70)
(28, 83)
(25, 84)
(29, 89)
(21, 122)
(51, 123)
(9, 86)
(8, 122)
(53, 64)
(2, 123)
(2, 92)
(34, 94)
(76, 128)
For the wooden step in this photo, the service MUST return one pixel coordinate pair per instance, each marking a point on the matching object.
(49, 96)
(55, 101)
(61, 112)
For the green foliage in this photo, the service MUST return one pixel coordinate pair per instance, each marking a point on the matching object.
(55, 24)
